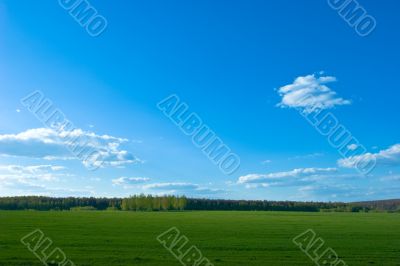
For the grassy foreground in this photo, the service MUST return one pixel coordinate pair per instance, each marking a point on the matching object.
(225, 238)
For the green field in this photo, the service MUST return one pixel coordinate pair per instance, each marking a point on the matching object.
(225, 238)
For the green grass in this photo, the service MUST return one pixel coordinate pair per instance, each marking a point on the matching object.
(225, 238)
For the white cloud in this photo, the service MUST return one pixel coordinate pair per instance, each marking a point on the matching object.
(298, 176)
(169, 186)
(389, 157)
(189, 189)
(164, 188)
(31, 169)
(32, 179)
(310, 94)
(20, 180)
(24, 189)
(19, 173)
(346, 192)
(50, 144)
(328, 192)
(129, 180)
(266, 162)
(307, 156)
(391, 178)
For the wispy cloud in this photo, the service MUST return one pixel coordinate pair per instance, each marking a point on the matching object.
(390, 178)
(345, 192)
(328, 192)
(294, 177)
(49, 144)
(310, 93)
(129, 180)
(307, 156)
(181, 188)
(28, 188)
(36, 180)
(19, 173)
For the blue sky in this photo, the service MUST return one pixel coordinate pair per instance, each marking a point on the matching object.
(229, 61)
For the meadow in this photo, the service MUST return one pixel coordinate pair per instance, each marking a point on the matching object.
(225, 238)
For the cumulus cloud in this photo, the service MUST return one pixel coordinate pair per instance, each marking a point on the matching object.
(294, 177)
(310, 93)
(388, 157)
(49, 144)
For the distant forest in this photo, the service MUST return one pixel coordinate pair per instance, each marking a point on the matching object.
(174, 203)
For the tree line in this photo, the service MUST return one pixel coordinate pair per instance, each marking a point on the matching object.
(178, 203)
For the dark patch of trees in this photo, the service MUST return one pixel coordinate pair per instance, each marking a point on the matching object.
(258, 205)
(392, 205)
(49, 203)
(175, 203)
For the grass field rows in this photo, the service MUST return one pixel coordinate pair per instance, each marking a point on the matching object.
(225, 238)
